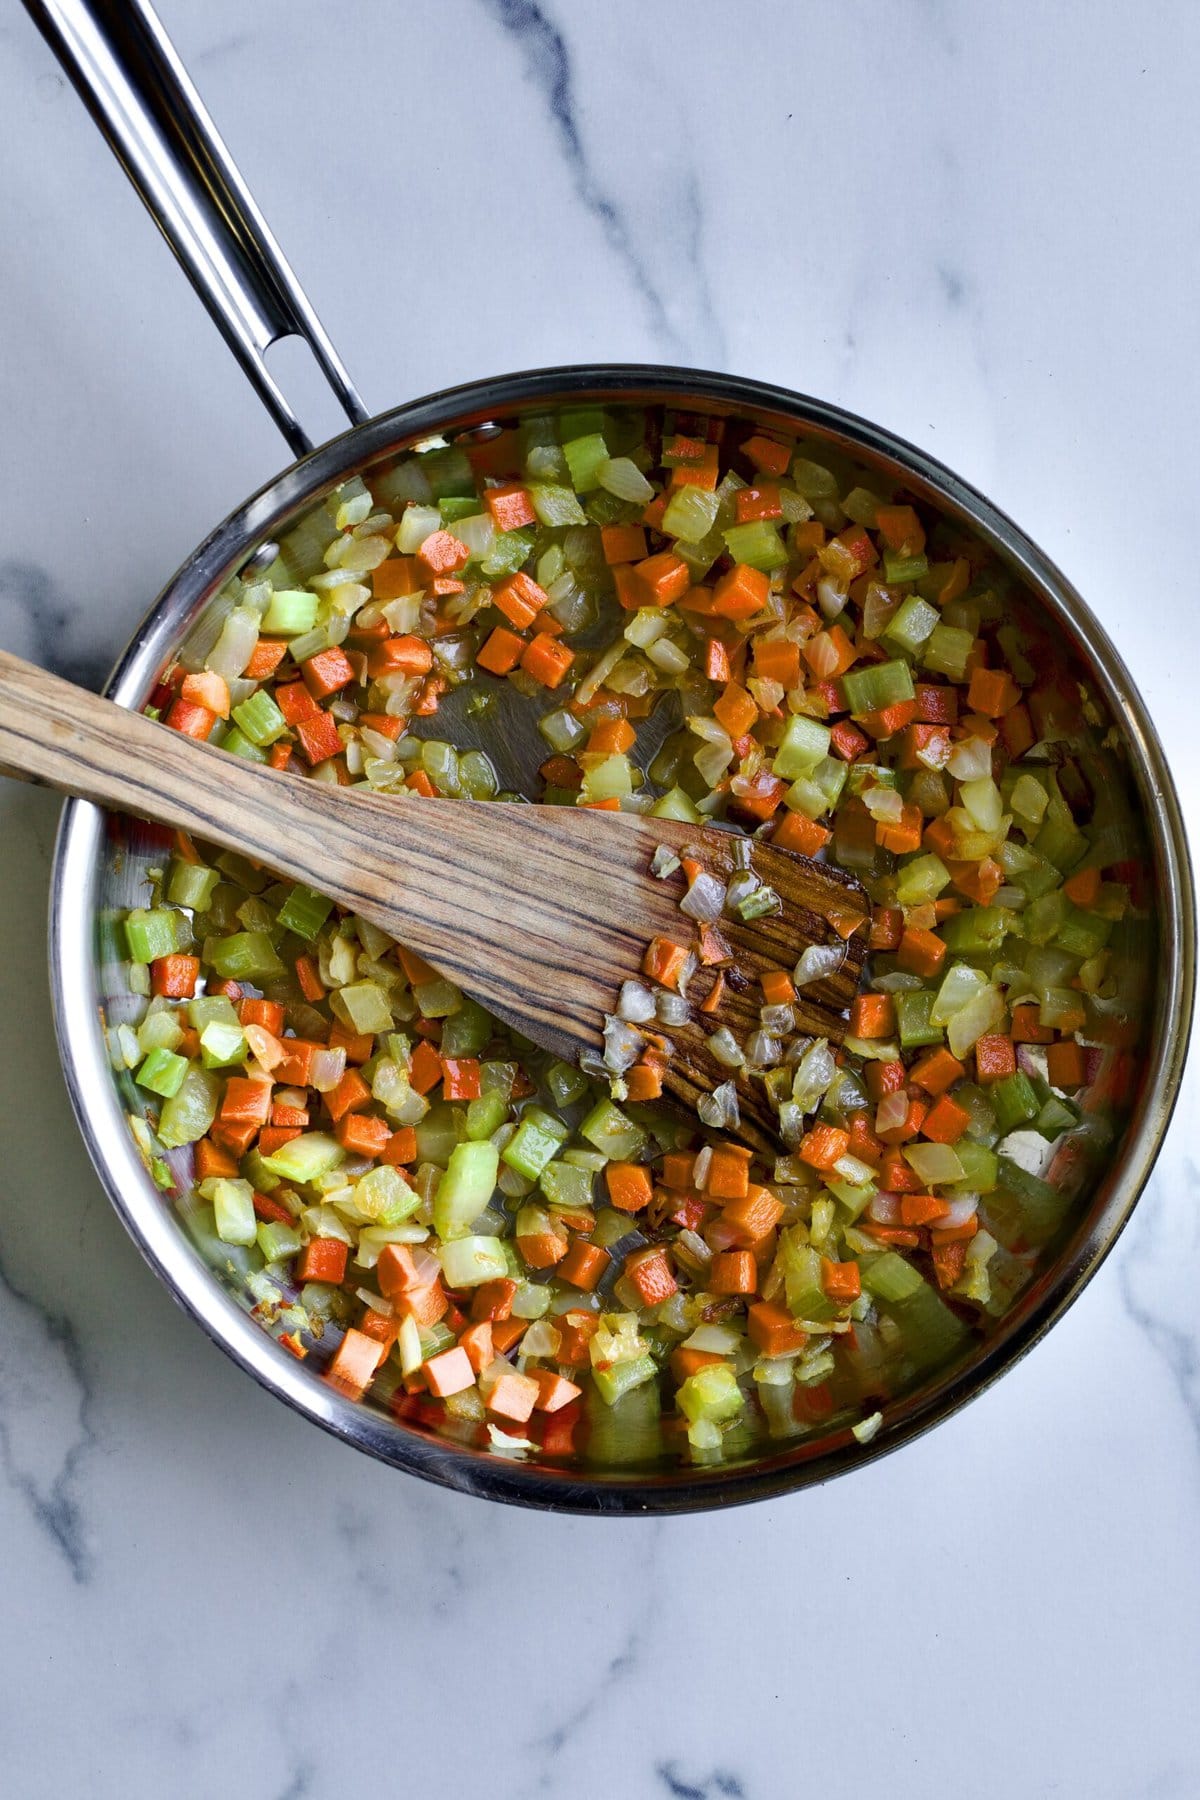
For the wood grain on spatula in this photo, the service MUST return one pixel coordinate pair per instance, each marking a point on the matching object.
(539, 912)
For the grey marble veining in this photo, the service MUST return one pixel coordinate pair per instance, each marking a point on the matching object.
(971, 224)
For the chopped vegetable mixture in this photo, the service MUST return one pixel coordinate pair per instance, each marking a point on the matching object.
(708, 624)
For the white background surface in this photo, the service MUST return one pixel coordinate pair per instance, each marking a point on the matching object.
(973, 223)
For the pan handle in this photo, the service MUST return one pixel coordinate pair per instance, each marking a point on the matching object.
(131, 80)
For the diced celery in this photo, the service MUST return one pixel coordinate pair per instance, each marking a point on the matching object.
(585, 455)
(466, 1187)
(535, 1143)
(384, 1197)
(690, 513)
(813, 480)
(485, 1115)
(979, 1164)
(1014, 1101)
(468, 1261)
(806, 1298)
(912, 624)
(210, 1009)
(260, 719)
(566, 1186)
(190, 1111)
(921, 879)
(453, 507)
(1042, 1207)
(757, 544)
(162, 1072)
(448, 471)
(246, 956)
(440, 1132)
(804, 744)
(899, 568)
(712, 1393)
(675, 804)
(151, 934)
(608, 1129)
(978, 929)
(947, 649)
(191, 884)
(364, 1006)
(304, 911)
(222, 1045)
(913, 1021)
(878, 686)
(233, 1209)
(437, 999)
(566, 1083)
(612, 1383)
(291, 611)
(277, 1240)
(509, 552)
(466, 1030)
(1083, 933)
(889, 1278)
(304, 1158)
(555, 505)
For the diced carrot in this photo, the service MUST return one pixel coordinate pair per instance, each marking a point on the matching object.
(354, 1363)
(768, 456)
(513, 1396)
(753, 503)
(246, 1101)
(623, 543)
(1027, 1027)
(350, 1095)
(554, 1391)
(822, 1146)
(1083, 889)
(884, 1078)
(848, 555)
(510, 506)
(887, 927)
(685, 1362)
(900, 1134)
(661, 579)
(728, 1175)
(319, 739)
(461, 1078)
(945, 1121)
(735, 710)
(664, 961)
(270, 1211)
(449, 1372)
(546, 660)
(777, 659)
(267, 1013)
(795, 832)
(492, 1300)
(777, 986)
(395, 577)
(174, 977)
(752, 1216)
(425, 1067)
(829, 654)
(396, 1271)
(575, 1332)
(889, 720)
(995, 1057)
(401, 1148)
(1017, 731)
(953, 1234)
(425, 1305)
(362, 1134)
(211, 1160)
(193, 721)
(629, 1185)
(323, 1259)
(611, 737)
(992, 692)
(442, 553)
(296, 703)
(773, 1330)
(937, 1071)
(677, 1170)
(402, 655)
(701, 472)
(903, 837)
(896, 1176)
(841, 1281)
(900, 529)
(1066, 1066)
(978, 881)
(948, 1263)
(732, 1272)
(380, 1326)
(904, 1237)
(583, 1265)
(649, 1271)
(920, 952)
(265, 658)
(741, 593)
(520, 599)
(644, 1081)
(542, 1249)
(206, 689)
(872, 1016)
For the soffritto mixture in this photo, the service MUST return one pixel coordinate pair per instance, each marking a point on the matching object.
(531, 1256)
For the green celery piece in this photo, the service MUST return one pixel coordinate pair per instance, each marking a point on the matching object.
(584, 456)
(674, 804)
(625, 1431)
(813, 481)
(233, 1210)
(454, 507)
(536, 1142)
(467, 1261)
(913, 1008)
(277, 1240)
(162, 1073)
(211, 1009)
(758, 544)
(1083, 933)
(614, 1383)
(237, 1260)
(931, 1333)
(448, 471)
(245, 956)
(189, 1113)
(304, 1158)
(690, 514)
(1054, 1118)
(555, 505)
(878, 686)
(364, 1006)
(438, 999)
(889, 1278)
(566, 1186)
(510, 551)
(1014, 1100)
(920, 879)
(260, 719)
(979, 1165)
(947, 649)
(236, 743)
(486, 1115)
(1042, 1208)
(304, 911)
(466, 1188)
(242, 872)
(806, 1298)
(1042, 919)
(291, 612)
(466, 1031)
(442, 1129)
(711, 1393)
(912, 624)
(150, 934)
(608, 1129)
(899, 568)
(978, 929)
(191, 885)
(805, 743)
(222, 1045)
(566, 1083)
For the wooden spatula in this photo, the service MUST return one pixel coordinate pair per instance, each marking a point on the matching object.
(539, 912)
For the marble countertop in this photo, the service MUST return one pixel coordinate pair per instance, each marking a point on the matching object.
(972, 223)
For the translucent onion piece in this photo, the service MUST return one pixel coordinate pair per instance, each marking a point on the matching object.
(635, 1003)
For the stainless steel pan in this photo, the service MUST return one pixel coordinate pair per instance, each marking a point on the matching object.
(130, 78)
